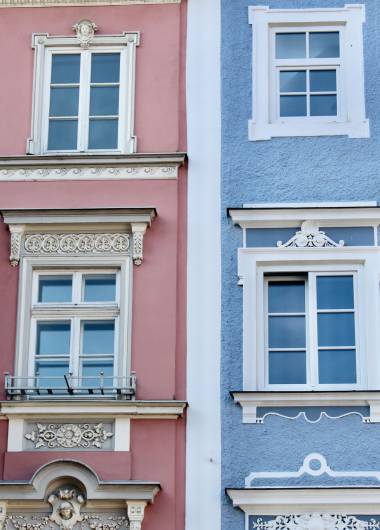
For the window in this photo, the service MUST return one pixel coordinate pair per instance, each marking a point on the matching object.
(84, 96)
(74, 328)
(308, 72)
(310, 329)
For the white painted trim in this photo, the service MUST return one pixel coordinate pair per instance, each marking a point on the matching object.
(304, 500)
(352, 122)
(298, 205)
(44, 46)
(251, 401)
(203, 458)
(280, 217)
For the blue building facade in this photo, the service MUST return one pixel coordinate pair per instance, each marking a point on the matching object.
(300, 347)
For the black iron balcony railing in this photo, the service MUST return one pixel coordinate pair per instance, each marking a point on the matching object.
(99, 385)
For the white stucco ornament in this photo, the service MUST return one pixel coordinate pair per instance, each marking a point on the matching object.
(66, 503)
(85, 30)
(310, 236)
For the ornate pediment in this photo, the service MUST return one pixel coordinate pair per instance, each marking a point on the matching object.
(310, 236)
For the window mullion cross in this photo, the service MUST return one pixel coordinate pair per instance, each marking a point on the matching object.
(84, 100)
(312, 335)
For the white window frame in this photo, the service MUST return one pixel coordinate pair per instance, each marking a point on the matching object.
(45, 46)
(311, 348)
(29, 311)
(350, 119)
(255, 262)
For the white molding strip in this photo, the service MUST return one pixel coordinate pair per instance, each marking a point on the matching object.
(251, 401)
(57, 3)
(203, 441)
(144, 167)
(305, 500)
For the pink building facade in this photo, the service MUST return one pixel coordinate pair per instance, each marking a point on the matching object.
(93, 264)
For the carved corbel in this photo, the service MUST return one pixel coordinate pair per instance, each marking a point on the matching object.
(138, 231)
(136, 514)
(16, 232)
(3, 514)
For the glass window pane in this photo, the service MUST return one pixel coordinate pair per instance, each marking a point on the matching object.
(293, 106)
(293, 81)
(54, 289)
(91, 374)
(335, 292)
(98, 337)
(53, 338)
(324, 44)
(290, 45)
(104, 101)
(336, 329)
(322, 80)
(105, 67)
(337, 367)
(286, 297)
(323, 106)
(65, 68)
(287, 368)
(103, 134)
(51, 374)
(100, 288)
(62, 135)
(64, 101)
(287, 332)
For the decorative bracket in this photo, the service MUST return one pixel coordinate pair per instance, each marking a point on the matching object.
(3, 514)
(135, 514)
(310, 236)
(138, 231)
(85, 30)
(16, 238)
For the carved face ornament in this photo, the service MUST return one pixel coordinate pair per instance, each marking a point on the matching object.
(66, 504)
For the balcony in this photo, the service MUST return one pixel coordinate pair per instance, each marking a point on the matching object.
(18, 388)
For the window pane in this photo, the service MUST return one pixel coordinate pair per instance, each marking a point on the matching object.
(335, 292)
(64, 101)
(324, 44)
(54, 289)
(337, 367)
(49, 371)
(287, 368)
(293, 106)
(62, 135)
(105, 67)
(322, 80)
(336, 329)
(65, 68)
(103, 134)
(98, 337)
(286, 297)
(101, 288)
(287, 332)
(53, 338)
(104, 101)
(91, 374)
(290, 45)
(293, 81)
(323, 106)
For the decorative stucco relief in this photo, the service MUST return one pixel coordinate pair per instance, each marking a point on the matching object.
(69, 435)
(90, 521)
(76, 243)
(315, 521)
(310, 236)
(85, 31)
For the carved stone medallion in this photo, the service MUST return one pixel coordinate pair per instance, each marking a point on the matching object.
(85, 30)
(69, 435)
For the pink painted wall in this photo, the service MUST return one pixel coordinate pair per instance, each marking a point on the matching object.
(159, 80)
(159, 285)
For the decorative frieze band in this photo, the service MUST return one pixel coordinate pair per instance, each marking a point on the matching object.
(313, 521)
(88, 173)
(69, 435)
(76, 243)
(51, 3)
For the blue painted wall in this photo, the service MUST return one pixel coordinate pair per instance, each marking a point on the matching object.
(285, 170)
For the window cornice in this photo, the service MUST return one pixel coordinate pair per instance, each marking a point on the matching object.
(58, 3)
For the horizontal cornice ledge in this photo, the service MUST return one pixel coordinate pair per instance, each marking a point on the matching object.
(139, 409)
(251, 401)
(274, 501)
(58, 3)
(142, 166)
